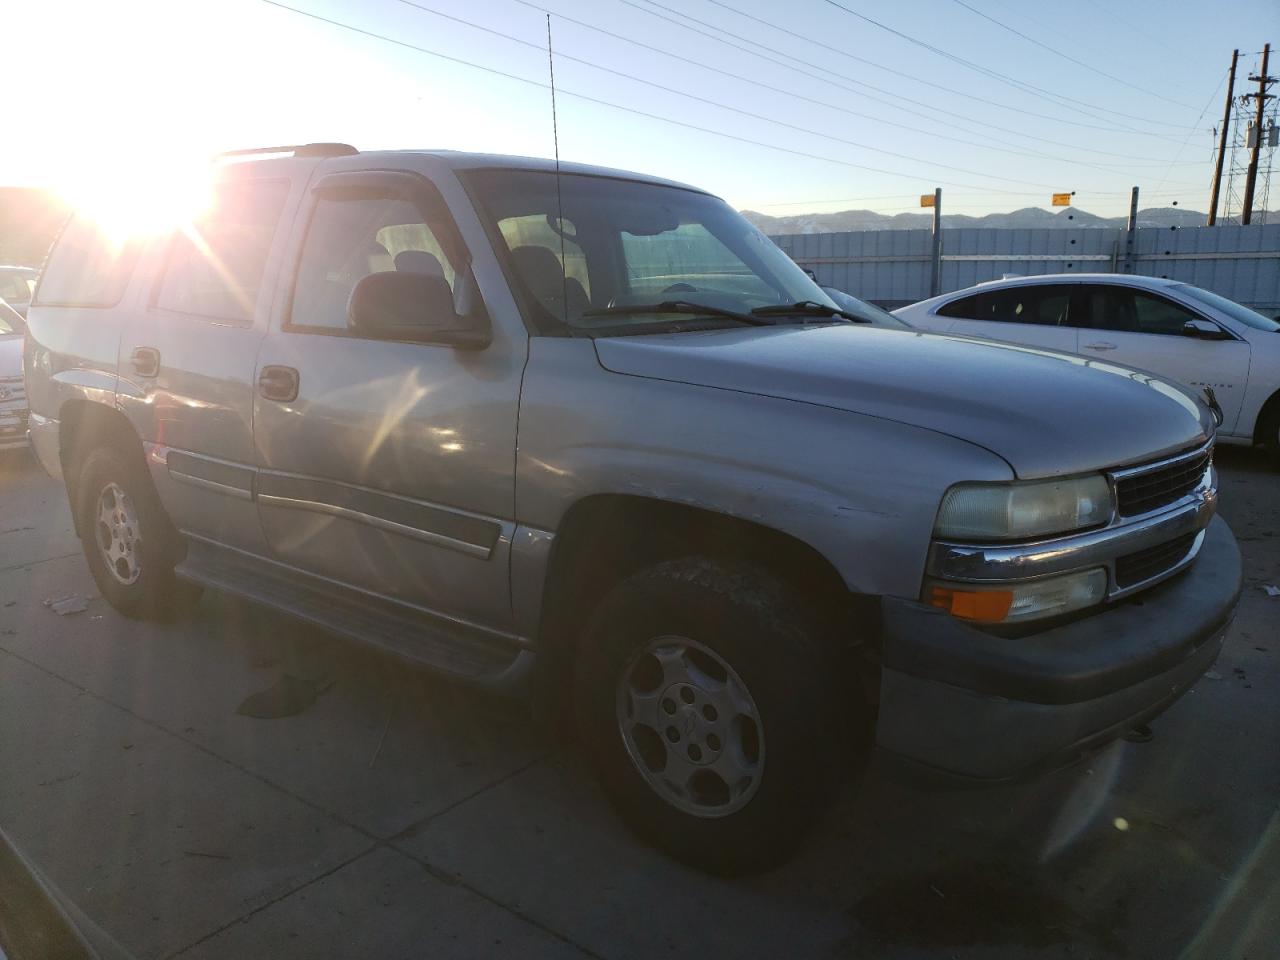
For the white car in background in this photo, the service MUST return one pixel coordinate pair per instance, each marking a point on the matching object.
(13, 397)
(1169, 328)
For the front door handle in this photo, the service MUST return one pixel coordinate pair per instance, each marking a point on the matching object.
(278, 383)
(1100, 345)
(146, 361)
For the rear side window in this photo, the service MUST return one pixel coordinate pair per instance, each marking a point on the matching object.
(87, 268)
(215, 265)
(1042, 305)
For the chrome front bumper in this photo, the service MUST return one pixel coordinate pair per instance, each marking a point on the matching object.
(1187, 517)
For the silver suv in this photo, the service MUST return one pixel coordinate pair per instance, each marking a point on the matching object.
(590, 436)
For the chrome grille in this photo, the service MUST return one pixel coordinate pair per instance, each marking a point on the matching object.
(1143, 490)
(1135, 568)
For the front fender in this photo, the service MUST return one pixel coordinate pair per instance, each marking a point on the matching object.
(862, 491)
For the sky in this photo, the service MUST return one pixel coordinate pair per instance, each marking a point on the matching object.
(784, 108)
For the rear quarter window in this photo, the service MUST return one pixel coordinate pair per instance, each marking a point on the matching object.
(87, 267)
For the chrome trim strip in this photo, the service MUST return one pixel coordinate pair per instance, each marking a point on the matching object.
(267, 473)
(458, 622)
(238, 492)
(390, 526)
(1128, 472)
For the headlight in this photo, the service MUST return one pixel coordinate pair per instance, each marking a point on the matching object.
(1023, 511)
(1012, 602)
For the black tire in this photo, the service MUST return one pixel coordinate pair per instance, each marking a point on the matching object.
(1271, 437)
(792, 673)
(154, 592)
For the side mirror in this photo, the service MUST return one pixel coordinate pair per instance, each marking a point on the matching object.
(1204, 330)
(417, 307)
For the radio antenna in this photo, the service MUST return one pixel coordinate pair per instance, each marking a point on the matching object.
(555, 137)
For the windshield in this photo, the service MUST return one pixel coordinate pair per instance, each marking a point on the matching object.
(16, 285)
(1236, 311)
(866, 311)
(10, 320)
(622, 243)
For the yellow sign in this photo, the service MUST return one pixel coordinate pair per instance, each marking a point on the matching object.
(926, 199)
(1062, 199)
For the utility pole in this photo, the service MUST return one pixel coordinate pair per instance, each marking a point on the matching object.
(1222, 141)
(1251, 178)
(935, 280)
(1132, 234)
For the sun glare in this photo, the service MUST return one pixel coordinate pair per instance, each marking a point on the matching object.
(140, 202)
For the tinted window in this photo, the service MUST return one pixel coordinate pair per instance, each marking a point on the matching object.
(1044, 305)
(352, 237)
(215, 264)
(1126, 310)
(1236, 311)
(87, 268)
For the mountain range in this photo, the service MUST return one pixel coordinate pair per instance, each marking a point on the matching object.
(1028, 217)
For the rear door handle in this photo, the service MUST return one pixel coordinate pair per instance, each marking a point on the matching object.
(1100, 345)
(146, 361)
(278, 383)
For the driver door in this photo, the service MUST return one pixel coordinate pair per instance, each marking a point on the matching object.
(386, 465)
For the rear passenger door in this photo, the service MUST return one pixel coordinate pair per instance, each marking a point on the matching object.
(1141, 328)
(386, 466)
(1035, 314)
(187, 357)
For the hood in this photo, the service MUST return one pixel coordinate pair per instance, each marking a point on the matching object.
(10, 356)
(1047, 414)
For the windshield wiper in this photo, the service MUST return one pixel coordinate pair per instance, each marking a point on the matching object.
(677, 306)
(806, 308)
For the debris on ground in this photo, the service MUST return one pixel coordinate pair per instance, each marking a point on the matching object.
(287, 697)
(1272, 590)
(64, 606)
(1213, 675)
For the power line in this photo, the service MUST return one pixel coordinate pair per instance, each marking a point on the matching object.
(1065, 101)
(1212, 97)
(1056, 52)
(723, 106)
(561, 91)
(990, 144)
(1112, 128)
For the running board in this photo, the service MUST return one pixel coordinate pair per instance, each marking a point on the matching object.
(458, 650)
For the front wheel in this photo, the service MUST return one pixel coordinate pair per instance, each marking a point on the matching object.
(713, 711)
(128, 540)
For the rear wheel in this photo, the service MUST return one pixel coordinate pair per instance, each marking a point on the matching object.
(713, 711)
(128, 540)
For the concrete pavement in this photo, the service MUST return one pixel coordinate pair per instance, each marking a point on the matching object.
(399, 816)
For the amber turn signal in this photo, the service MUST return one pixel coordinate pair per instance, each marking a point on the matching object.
(985, 606)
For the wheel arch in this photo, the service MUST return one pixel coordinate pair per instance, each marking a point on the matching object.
(603, 538)
(86, 425)
(1267, 418)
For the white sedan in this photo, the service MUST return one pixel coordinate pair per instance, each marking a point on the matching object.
(1173, 329)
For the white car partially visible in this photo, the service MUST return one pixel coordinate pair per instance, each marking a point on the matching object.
(1176, 330)
(13, 397)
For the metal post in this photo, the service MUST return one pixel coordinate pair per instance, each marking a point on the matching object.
(935, 281)
(1251, 178)
(1222, 140)
(1132, 234)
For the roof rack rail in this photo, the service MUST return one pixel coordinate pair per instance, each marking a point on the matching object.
(297, 150)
